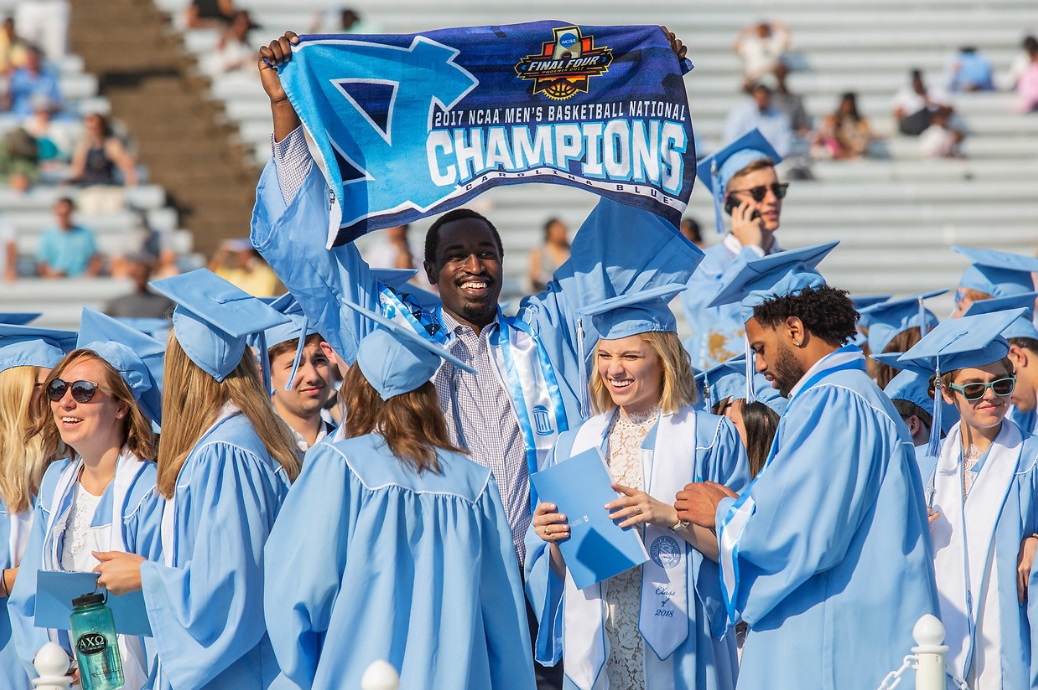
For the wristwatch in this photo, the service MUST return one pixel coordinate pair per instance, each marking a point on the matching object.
(681, 524)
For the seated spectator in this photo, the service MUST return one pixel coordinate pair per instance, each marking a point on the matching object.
(8, 250)
(233, 52)
(209, 14)
(149, 244)
(54, 143)
(239, 264)
(142, 303)
(761, 47)
(547, 258)
(790, 103)
(1027, 82)
(13, 49)
(968, 70)
(30, 80)
(941, 139)
(19, 155)
(99, 154)
(690, 229)
(759, 112)
(67, 249)
(915, 105)
(844, 134)
(1021, 62)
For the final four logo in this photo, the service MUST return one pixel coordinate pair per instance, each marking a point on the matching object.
(565, 65)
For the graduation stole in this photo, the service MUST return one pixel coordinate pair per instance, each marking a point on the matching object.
(964, 535)
(667, 465)
(127, 467)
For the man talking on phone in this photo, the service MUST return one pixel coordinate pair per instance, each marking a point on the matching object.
(741, 178)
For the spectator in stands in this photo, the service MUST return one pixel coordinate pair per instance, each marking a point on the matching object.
(99, 155)
(232, 52)
(19, 155)
(142, 303)
(1021, 62)
(968, 70)
(8, 250)
(209, 14)
(67, 250)
(32, 79)
(54, 144)
(13, 49)
(790, 103)
(241, 265)
(690, 229)
(761, 47)
(1027, 81)
(547, 258)
(915, 105)
(941, 139)
(44, 23)
(759, 112)
(346, 19)
(844, 134)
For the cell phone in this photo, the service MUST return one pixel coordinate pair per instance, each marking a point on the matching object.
(731, 203)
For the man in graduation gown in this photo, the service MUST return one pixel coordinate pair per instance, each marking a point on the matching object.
(826, 555)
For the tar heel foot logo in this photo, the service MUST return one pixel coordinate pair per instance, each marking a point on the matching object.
(91, 643)
(565, 65)
(665, 552)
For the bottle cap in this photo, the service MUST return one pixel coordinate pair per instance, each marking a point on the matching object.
(88, 600)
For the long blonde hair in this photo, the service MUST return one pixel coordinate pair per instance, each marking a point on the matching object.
(677, 385)
(22, 460)
(191, 401)
(137, 433)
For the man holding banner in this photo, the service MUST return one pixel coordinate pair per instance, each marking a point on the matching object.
(627, 138)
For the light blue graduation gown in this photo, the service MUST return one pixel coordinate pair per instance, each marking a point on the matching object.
(540, 359)
(1027, 421)
(12, 673)
(414, 569)
(827, 554)
(205, 595)
(141, 518)
(1010, 501)
(702, 661)
(717, 332)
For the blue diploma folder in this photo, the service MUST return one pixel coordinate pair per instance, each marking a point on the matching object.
(55, 591)
(597, 548)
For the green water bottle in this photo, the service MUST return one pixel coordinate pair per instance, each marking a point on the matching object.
(95, 642)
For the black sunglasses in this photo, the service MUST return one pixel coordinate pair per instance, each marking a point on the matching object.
(976, 391)
(82, 391)
(758, 193)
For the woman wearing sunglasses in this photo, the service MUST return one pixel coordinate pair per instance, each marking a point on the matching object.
(224, 467)
(97, 411)
(27, 355)
(983, 499)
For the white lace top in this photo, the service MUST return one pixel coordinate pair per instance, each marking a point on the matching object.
(75, 550)
(622, 593)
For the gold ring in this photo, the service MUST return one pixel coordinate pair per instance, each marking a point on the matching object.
(546, 532)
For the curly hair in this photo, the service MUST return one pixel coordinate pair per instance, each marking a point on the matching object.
(432, 237)
(826, 312)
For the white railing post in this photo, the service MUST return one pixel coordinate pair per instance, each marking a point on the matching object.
(51, 664)
(380, 676)
(929, 634)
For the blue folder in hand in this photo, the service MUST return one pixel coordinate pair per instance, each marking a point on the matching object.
(55, 591)
(597, 548)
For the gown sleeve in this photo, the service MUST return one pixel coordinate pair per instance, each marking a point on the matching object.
(207, 610)
(21, 604)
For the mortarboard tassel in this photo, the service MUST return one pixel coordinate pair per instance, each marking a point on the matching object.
(299, 355)
(934, 447)
(264, 360)
(718, 195)
(585, 402)
(750, 396)
(922, 319)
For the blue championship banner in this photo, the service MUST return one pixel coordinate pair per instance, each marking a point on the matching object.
(412, 125)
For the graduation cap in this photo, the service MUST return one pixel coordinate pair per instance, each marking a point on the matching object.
(728, 380)
(887, 319)
(862, 301)
(135, 355)
(999, 274)
(1023, 326)
(394, 359)
(756, 281)
(19, 318)
(213, 319)
(972, 341)
(913, 386)
(156, 328)
(716, 171)
(29, 346)
(297, 328)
